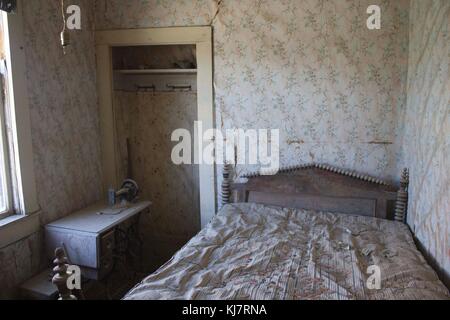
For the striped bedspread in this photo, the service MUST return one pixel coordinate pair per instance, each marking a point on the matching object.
(253, 251)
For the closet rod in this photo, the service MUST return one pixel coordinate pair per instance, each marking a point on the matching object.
(145, 88)
(180, 87)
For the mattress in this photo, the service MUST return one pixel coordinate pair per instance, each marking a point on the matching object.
(252, 251)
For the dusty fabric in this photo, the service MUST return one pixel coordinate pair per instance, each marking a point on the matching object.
(252, 251)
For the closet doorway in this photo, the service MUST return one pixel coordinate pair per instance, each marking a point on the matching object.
(151, 82)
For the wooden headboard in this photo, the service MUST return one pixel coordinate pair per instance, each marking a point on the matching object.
(322, 188)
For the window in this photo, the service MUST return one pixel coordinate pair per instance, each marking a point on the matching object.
(5, 172)
(17, 181)
(19, 208)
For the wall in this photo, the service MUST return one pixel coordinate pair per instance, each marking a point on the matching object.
(310, 68)
(427, 129)
(18, 262)
(148, 120)
(65, 128)
(64, 112)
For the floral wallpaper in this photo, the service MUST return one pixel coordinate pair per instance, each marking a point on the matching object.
(335, 89)
(63, 106)
(65, 128)
(310, 68)
(147, 121)
(427, 129)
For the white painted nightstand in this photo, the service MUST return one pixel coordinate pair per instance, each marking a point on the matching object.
(89, 236)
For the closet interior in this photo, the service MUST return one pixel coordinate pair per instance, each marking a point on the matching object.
(155, 93)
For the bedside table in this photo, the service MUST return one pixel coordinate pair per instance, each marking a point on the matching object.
(89, 236)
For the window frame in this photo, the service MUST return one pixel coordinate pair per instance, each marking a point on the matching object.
(23, 192)
(25, 219)
(5, 167)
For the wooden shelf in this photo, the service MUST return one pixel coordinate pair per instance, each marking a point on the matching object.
(156, 71)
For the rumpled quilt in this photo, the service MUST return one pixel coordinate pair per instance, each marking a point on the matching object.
(257, 252)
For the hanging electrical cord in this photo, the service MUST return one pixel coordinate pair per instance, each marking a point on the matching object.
(65, 38)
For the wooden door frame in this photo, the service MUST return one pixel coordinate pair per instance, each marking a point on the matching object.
(201, 37)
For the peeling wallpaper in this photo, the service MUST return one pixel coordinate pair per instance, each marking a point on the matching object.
(427, 128)
(310, 68)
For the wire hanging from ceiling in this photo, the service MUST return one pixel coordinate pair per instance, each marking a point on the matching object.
(65, 38)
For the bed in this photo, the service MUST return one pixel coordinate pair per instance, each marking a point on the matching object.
(312, 232)
(309, 232)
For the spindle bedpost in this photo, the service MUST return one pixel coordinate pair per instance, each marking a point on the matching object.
(401, 205)
(226, 184)
(61, 275)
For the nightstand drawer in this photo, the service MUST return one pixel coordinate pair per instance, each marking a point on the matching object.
(107, 243)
